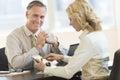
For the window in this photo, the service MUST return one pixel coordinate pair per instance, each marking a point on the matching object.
(102, 8)
(12, 14)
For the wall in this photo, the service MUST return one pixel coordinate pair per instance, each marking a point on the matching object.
(2, 40)
(113, 40)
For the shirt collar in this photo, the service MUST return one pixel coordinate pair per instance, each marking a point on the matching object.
(84, 33)
(27, 31)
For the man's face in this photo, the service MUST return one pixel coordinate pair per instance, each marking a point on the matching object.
(35, 18)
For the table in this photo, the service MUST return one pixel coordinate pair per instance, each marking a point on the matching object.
(25, 75)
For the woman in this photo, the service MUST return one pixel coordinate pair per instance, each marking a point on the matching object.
(91, 55)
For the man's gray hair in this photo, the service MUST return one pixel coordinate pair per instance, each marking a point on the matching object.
(35, 3)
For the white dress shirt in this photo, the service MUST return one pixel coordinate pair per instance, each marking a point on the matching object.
(19, 50)
(90, 56)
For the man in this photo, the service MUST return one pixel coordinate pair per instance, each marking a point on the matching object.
(22, 43)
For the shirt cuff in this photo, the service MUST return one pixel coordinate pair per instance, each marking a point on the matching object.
(33, 51)
(66, 58)
(47, 71)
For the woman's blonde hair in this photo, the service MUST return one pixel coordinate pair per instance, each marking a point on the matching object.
(82, 11)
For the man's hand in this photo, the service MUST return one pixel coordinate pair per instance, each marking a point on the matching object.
(51, 39)
(41, 37)
(39, 65)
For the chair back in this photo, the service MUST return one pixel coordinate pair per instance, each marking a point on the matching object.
(3, 60)
(115, 72)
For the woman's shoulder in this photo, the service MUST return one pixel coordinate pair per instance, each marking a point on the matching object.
(95, 34)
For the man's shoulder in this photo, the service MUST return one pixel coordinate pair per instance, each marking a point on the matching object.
(17, 31)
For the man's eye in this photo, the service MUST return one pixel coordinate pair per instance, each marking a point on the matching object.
(42, 17)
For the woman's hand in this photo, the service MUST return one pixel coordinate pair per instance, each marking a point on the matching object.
(53, 56)
(39, 65)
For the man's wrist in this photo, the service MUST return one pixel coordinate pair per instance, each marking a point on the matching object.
(56, 44)
(62, 57)
(38, 47)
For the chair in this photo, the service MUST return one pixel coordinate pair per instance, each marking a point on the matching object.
(3, 60)
(115, 72)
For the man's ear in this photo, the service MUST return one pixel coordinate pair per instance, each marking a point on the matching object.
(26, 14)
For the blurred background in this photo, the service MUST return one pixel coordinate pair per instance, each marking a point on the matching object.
(12, 15)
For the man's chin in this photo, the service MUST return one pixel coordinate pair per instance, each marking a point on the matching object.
(35, 30)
